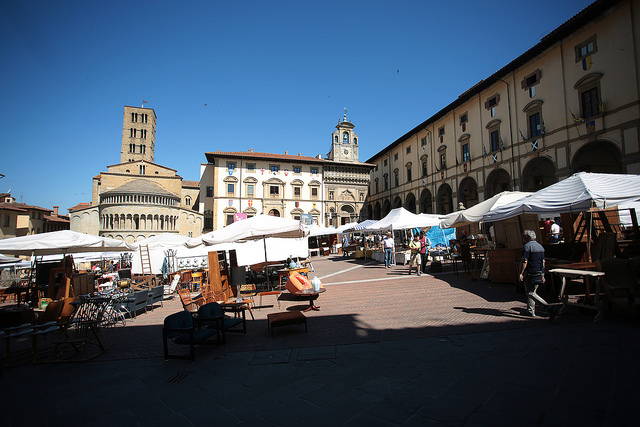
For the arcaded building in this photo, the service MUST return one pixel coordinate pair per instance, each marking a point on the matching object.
(571, 103)
(138, 198)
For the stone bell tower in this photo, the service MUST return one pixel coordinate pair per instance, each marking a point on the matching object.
(138, 134)
(344, 142)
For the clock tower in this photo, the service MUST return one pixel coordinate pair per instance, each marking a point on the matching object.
(344, 142)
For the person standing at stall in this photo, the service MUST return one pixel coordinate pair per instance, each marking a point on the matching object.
(414, 245)
(388, 245)
(425, 244)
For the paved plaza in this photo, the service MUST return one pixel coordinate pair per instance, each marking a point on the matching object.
(385, 349)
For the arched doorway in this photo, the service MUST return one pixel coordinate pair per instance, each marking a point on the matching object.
(537, 174)
(377, 211)
(386, 208)
(598, 157)
(426, 202)
(444, 200)
(397, 202)
(347, 214)
(410, 203)
(497, 182)
(468, 192)
(274, 212)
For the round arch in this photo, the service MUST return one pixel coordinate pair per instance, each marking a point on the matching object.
(599, 157)
(386, 208)
(444, 199)
(426, 202)
(537, 174)
(397, 202)
(497, 182)
(274, 212)
(377, 211)
(468, 192)
(410, 203)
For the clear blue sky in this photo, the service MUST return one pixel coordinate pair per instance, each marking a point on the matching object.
(233, 75)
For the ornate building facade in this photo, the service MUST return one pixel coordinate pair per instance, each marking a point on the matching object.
(136, 198)
(571, 103)
(329, 191)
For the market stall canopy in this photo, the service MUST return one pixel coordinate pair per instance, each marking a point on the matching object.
(361, 225)
(257, 227)
(577, 193)
(63, 241)
(158, 245)
(163, 240)
(8, 259)
(318, 230)
(400, 218)
(476, 212)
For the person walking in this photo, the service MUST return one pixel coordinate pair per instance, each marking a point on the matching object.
(425, 244)
(532, 272)
(414, 245)
(388, 245)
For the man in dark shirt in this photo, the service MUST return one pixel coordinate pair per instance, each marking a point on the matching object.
(532, 271)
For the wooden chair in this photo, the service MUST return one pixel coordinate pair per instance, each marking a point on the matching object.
(196, 281)
(188, 303)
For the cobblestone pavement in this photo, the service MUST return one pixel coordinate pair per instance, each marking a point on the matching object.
(386, 348)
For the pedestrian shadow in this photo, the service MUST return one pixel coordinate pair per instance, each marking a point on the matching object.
(514, 312)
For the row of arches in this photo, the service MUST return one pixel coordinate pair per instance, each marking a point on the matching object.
(538, 173)
(118, 199)
(138, 222)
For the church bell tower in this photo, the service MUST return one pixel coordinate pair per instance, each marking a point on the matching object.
(344, 142)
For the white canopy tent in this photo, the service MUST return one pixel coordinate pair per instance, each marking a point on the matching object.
(318, 230)
(61, 242)
(400, 219)
(279, 238)
(158, 245)
(476, 212)
(577, 193)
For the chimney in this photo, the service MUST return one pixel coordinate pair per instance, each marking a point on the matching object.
(299, 154)
(251, 150)
(55, 210)
(286, 152)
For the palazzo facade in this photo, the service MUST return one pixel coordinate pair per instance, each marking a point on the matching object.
(327, 191)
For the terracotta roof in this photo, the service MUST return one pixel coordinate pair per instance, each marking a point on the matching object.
(25, 206)
(273, 156)
(11, 207)
(259, 156)
(194, 184)
(141, 186)
(80, 206)
(52, 218)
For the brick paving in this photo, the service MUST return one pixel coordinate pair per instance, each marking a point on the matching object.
(386, 348)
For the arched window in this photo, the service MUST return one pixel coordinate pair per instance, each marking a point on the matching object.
(187, 201)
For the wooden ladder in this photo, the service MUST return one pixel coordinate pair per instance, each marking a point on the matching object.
(145, 259)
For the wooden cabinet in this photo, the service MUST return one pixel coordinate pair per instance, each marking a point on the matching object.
(504, 264)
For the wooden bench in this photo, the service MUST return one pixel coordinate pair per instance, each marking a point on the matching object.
(286, 318)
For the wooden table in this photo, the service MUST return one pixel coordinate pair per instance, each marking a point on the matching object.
(586, 300)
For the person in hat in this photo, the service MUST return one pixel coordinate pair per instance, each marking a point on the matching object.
(388, 244)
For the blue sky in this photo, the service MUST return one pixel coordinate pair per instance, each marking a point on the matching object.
(234, 75)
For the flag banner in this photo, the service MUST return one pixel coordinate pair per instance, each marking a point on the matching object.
(534, 145)
(576, 119)
(495, 157)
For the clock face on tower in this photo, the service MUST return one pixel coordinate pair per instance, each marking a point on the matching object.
(346, 152)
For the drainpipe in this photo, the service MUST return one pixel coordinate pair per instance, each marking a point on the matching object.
(513, 156)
